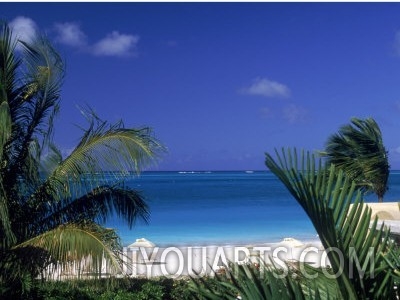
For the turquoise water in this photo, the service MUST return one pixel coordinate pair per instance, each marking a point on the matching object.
(208, 208)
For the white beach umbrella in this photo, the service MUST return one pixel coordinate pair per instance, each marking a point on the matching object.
(142, 242)
(291, 243)
(137, 260)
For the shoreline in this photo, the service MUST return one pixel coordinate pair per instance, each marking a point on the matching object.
(306, 238)
(230, 244)
(177, 262)
(200, 260)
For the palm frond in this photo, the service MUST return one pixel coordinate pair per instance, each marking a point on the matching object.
(6, 233)
(49, 161)
(32, 107)
(87, 243)
(19, 268)
(326, 196)
(102, 148)
(9, 64)
(358, 149)
(41, 89)
(5, 126)
(98, 205)
(264, 282)
(48, 205)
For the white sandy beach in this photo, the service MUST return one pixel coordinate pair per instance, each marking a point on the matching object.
(175, 262)
(182, 261)
(150, 261)
(147, 260)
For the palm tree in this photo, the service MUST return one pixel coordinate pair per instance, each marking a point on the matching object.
(343, 223)
(52, 208)
(364, 260)
(358, 149)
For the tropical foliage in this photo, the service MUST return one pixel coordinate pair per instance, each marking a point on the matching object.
(112, 288)
(343, 223)
(265, 282)
(364, 261)
(357, 148)
(52, 207)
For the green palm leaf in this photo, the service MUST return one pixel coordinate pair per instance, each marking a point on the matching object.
(33, 102)
(326, 196)
(97, 205)
(248, 283)
(6, 233)
(39, 95)
(8, 64)
(85, 243)
(49, 204)
(104, 148)
(358, 149)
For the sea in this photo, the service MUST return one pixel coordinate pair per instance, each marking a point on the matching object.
(221, 208)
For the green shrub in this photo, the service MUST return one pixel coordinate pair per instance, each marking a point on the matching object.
(113, 289)
(150, 291)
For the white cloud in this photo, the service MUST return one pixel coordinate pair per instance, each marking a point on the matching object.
(267, 88)
(116, 44)
(294, 113)
(23, 28)
(70, 34)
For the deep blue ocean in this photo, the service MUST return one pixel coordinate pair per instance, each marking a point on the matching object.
(220, 208)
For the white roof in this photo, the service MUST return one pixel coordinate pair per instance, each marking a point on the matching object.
(142, 242)
(291, 242)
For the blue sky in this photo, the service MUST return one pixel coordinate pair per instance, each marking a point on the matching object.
(223, 83)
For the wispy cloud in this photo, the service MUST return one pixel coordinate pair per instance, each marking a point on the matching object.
(294, 113)
(23, 28)
(117, 44)
(70, 34)
(267, 88)
(114, 44)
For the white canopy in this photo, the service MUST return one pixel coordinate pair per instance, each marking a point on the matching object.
(142, 242)
(291, 243)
